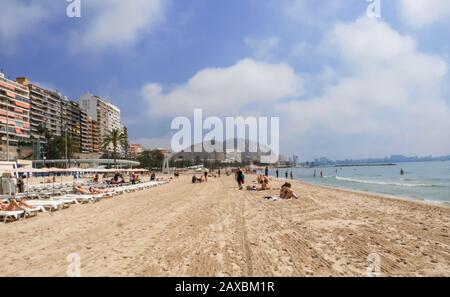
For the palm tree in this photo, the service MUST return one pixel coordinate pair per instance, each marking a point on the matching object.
(117, 139)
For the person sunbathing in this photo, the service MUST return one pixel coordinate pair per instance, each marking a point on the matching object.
(93, 190)
(259, 179)
(264, 182)
(286, 192)
(264, 185)
(15, 206)
(81, 190)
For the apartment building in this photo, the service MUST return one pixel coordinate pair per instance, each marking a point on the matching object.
(96, 140)
(46, 110)
(135, 150)
(73, 123)
(105, 114)
(27, 110)
(87, 145)
(14, 117)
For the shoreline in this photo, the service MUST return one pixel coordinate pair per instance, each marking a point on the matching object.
(375, 194)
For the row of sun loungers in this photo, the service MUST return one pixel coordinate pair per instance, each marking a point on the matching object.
(53, 203)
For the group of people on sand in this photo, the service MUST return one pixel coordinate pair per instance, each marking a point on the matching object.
(205, 175)
(199, 180)
(263, 181)
(286, 191)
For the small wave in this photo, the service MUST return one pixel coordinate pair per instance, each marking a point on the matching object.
(361, 181)
(437, 202)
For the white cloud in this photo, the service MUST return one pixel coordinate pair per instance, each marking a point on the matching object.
(223, 91)
(425, 12)
(118, 23)
(263, 49)
(388, 91)
(383, 96)
(18, 18)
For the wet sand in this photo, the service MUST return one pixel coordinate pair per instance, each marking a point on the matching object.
(213, 229)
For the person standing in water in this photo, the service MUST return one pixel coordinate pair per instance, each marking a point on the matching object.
(277, 173)
(321, 173)
(286, 174)
(266, 171)
(402, 172)
(314, 175)
(292, 175)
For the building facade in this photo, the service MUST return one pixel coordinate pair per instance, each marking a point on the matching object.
(28, 111)
(105, 114)
(46, 110)
(135, 150)
(14, 117)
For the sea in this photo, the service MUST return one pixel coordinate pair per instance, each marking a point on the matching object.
(425, 181)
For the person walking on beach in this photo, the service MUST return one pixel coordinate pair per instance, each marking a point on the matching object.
(218, 173)
(240, 178)
(277, 173)
(266, 171)
(206, 175)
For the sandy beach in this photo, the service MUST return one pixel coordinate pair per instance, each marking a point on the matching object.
(213, 229)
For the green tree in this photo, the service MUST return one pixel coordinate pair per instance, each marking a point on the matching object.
(151, 159)
(116, 138)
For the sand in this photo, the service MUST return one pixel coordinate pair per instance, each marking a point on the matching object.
(213, 229)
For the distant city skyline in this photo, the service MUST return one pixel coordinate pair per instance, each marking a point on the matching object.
(372, 160)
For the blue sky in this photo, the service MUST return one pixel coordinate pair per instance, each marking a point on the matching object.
(344, 85)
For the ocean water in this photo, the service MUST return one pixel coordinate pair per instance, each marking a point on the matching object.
(426, 181)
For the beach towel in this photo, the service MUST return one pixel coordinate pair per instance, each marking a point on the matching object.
(272, 198)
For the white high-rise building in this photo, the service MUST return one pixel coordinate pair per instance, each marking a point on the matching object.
(105, 114)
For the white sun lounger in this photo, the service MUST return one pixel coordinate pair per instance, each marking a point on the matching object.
(65, 199)
(11, 215)
(51, 205)
(85, 198)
